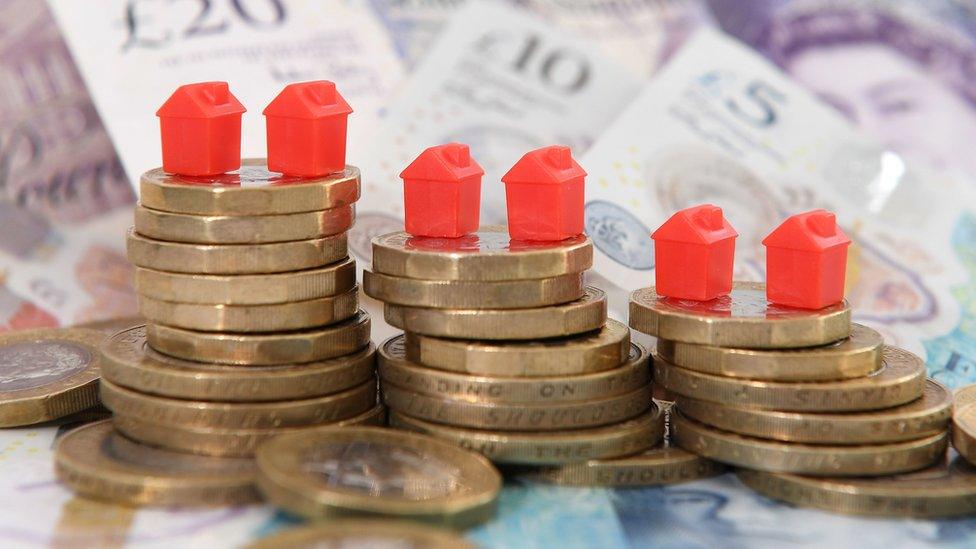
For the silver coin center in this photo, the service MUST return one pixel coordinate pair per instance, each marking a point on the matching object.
(32, 364)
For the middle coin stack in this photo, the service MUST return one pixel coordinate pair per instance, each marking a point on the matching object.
(506, 352)
(253, 313)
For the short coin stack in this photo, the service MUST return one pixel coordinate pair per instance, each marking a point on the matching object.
(506, 352)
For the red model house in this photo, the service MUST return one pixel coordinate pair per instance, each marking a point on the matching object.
(442, 192)
(544, 192)
(307, 130)
(806, 261)
(693, 253)
(200, 126)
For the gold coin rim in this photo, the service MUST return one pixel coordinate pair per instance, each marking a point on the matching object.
(465, 294)
(304, 536)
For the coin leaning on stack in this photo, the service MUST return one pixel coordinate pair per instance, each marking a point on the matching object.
(253, 330)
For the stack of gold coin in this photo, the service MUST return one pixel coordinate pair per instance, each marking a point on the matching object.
(782, 390)
(506, 352)
(253, 330)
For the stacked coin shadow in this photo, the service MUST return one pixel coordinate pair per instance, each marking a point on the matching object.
(810, 407)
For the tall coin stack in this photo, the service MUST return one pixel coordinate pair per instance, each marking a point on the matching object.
(506, 352)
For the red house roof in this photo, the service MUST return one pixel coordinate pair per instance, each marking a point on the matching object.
(553, 164)
(702, 224)
(449, 162)
(201, 100)
(308, 100)
(812, 231)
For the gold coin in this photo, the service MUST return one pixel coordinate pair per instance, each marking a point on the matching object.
(464, 294)
(366, 470)
(48, 374)
(964, 396)
(128, 361)
(273, 317)
(584, 315)
(947, 489)
(257, 289)
(275, 257)
(901, 379)
(566, 356)
(856, 356)
(210, 441)
(239, 415)
(487, 255)
(363, 533)
(96, 461)
(654, 467)
(250, 190)
(395, 369)
(547, 447)
(242, 229)
(741, 319)
(929, 415)
(269, 349)
(964, 431)
(111, 326)
(807, 459)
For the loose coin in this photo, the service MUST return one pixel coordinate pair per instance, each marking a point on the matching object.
(526, 416)
(741, 319)
(901, 379)
(267, 349)
(807, 459)
(362, 470)
(275, 257)
(857, 356)
(210, 441)
(487, 255)
(964, 431)
(584, 315)
(548, 447)
(257, 289)
(47, 374)
(920, 418)
(394, 368)
(96, 461)
(128, 361)
(597, 351)
(273, 317)
(240, 229)
(947, 489)
(363, 533)
(654, 467)
(238, 415)
(250, 190)
(464, 294)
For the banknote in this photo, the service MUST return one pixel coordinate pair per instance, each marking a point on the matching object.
(134, 53)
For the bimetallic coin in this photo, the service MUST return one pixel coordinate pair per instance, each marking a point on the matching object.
(395, 369)
(250, 190)
(584, 315)
(47, 374)
(464, 294)
(742, 319)
(361, 470)
(296, 315)
(239, 415)
(525, 416)
(363, 533)
(488, 255)
(128, 361)
(947, 489)
(926, 416)
(807, 459)
(900, 380)
(96, 461)
(242, 229)
(210, 441)
(276, 257)
(654, 467)
(964, 431)
(857, 356)
(597, 351)
(267, 349)
(547, 447)
(258, 289)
